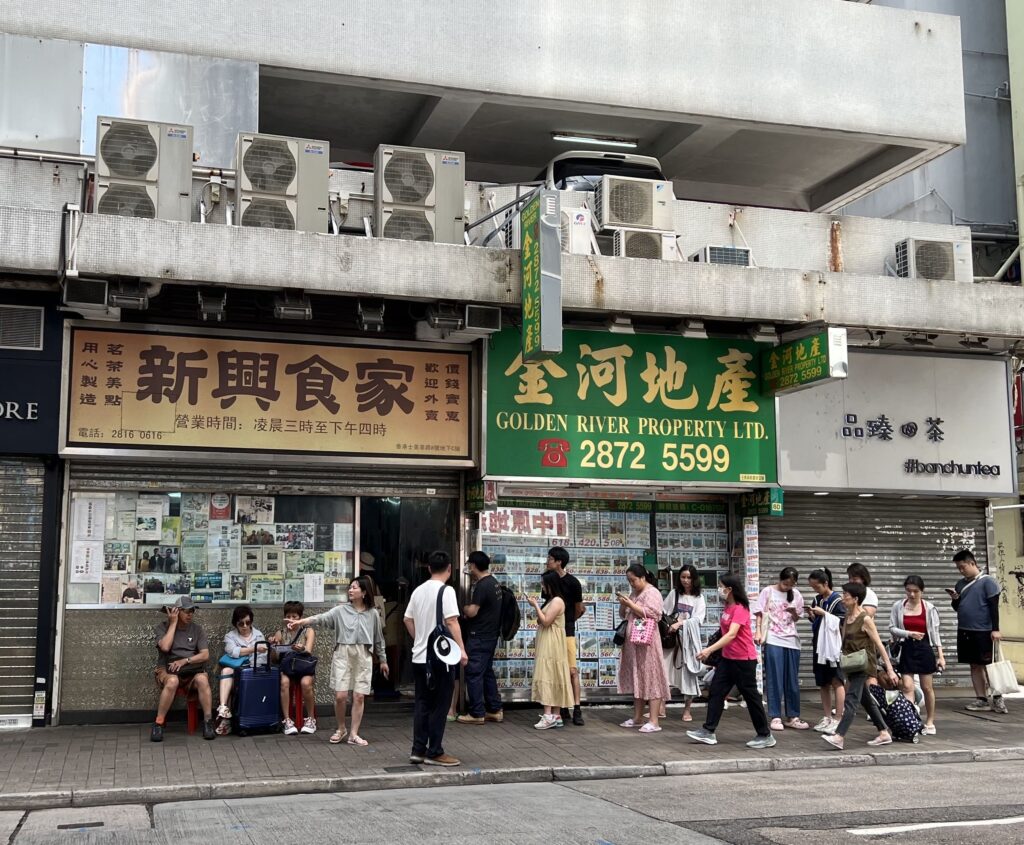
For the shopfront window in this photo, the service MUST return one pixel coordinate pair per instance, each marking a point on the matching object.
(149, 548)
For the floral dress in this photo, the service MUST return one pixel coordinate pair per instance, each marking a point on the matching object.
(641, 667)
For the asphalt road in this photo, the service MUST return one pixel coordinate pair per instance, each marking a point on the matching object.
(914, 805)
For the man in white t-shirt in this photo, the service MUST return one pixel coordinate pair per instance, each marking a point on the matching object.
(430, 710)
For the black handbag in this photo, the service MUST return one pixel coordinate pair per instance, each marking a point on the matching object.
(621, 632)
(714, 658)
(298, 664)
(669, 638)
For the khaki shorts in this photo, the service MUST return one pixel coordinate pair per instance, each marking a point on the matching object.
(351, 669)
(570, 646)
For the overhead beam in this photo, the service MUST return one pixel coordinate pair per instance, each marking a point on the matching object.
(441, 120)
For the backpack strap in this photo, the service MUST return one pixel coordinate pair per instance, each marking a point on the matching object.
(440, 600)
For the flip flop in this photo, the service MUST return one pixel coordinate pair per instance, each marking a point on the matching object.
(687, 717)
(357, 740)
(338, 737)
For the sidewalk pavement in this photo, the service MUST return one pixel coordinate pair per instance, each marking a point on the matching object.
(90, 766)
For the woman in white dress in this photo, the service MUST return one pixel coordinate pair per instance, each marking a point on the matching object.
(685, 602)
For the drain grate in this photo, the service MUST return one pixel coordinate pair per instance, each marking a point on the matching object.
(397, 770)
(79, 825)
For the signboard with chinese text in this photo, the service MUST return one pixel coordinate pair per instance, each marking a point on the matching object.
(541, 271)
(629, 407)
(168, 390)
(907, 423)
(765, 502)
(807, 362)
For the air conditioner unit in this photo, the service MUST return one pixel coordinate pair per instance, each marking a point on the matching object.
(639, 243)
(143, 169)
(624, 202)
(576, 231)
(485, 319)
(84, 294)
(281, 183)
(733, 256)
(419, 194)
(917, 259)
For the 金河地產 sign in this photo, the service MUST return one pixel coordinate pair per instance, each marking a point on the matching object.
(798, 364)
(166, 390)
(629, 407)
(541, 268)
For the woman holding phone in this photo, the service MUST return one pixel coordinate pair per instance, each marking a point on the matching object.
(641, 667)
(552, 683)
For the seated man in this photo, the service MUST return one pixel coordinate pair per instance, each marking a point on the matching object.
(183, 651)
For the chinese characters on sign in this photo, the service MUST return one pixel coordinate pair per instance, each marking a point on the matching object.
(802, 363)
(175, 391)
(646, 407)
(540, 266)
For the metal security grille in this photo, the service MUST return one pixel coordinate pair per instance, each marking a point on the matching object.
(893, 538)
(21, 513)
(244, 478)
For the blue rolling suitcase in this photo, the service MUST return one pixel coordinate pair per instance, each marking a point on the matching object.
(258, 699)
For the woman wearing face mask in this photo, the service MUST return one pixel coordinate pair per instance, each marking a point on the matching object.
(736, 668)
(778, 609)
(914, 623)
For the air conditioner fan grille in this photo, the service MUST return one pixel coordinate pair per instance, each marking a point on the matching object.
(129, 150)
(268, 214)
(408, 226)
(409, 177)
(629, 203)
(269, 165)
(127, 201)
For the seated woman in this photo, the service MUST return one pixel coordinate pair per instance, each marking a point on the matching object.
(240, 644)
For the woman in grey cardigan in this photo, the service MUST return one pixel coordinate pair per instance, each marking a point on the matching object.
(914, 623)
(357, 631)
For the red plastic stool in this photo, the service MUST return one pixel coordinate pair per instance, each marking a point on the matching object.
(192, 703)
(295, 711)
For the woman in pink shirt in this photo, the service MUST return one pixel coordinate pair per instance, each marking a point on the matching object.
(778, 609)
(737, 667)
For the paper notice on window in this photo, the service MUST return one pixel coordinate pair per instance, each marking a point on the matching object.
(90, 519)
(161, 499)
(343, 536)
(314, 587)
(86, 562)
(148, 521)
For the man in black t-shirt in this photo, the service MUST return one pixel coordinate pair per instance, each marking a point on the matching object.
(483, 620)
(558, 560)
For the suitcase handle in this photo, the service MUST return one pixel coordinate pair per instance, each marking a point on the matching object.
(256, 654)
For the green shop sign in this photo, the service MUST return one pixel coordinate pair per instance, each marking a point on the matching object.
(540, 264)
(766, 502)
(629, 407)
(798, 364)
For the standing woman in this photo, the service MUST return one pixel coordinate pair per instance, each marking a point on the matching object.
(915, 623)
(827, 602)
(552, 683)
(641, 666)
(685, 601)
(778, 609)
(861, 635)
(737, 667)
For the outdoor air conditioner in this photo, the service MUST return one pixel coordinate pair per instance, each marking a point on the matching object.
(419, 194)
(84, 294)
(639, 243)
(576, 231)
(281, 183)
(624, 202)
(143, 169)
(917, 259)
(733, 256)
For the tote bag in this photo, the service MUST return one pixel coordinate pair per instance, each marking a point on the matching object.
(1002, 679)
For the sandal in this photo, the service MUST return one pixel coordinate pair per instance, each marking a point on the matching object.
(687, 717)
(338, 737)
(357, 740)
(650, 729)
(629, 723)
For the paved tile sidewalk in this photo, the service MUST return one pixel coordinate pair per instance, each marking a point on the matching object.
(49, 760)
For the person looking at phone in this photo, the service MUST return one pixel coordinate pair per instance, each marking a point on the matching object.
(641, 664)
(552, 687)
(182, 653)
(914, 623)
(975, 598)
(558, 561)
(300, 642)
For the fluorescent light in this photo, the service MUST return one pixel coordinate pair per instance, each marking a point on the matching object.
(596, 140)
(865, 495)
(821, 494)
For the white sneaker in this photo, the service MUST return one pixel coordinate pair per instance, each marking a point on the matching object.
(929, 730)
(833, 726)
(309, 726)
(546, 722)
(289, 728)
(823, 725)
(223, 712)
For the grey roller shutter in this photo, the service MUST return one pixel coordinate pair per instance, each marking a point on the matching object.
(892, 537)
(240, 477)
(21, 515)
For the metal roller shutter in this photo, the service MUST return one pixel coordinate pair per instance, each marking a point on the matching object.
(893, 538)
(21, 516)
(242, 478)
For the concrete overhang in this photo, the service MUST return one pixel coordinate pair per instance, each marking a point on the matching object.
(109, 246)
(804, 104)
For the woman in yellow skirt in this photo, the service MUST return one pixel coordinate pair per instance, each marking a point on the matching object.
(552, 685)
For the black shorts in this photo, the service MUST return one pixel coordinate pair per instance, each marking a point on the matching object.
(917, 658)
(824, 674)
(974, 647)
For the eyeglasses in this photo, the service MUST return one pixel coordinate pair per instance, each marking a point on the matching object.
(244, 622)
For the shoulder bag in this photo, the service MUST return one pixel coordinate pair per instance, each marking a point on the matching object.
(1002, 678)
(298, 664)
(855, 662)
(715, 658)
(621, 633)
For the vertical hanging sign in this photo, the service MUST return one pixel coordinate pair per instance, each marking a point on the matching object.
(540, 265)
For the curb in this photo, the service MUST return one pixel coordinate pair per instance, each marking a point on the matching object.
(475, 777)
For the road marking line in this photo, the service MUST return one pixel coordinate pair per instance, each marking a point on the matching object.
(908, 828)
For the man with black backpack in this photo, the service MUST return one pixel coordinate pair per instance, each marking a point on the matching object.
(432, 620)
(483, 615)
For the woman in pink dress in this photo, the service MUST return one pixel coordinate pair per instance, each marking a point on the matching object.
(641, 668)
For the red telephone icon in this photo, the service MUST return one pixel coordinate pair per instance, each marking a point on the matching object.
(554, 452)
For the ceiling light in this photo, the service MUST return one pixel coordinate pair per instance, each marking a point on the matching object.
(764, 333)
(968, 342)
(693, 328)
(445, 317)
(293, 306)
(865, 495)
(213, 305)
(919, 339)
(821, 494)
(127, 295)
(619, 325)
(370, 315)
(596, 140)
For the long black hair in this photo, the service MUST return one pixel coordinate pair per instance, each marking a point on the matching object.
(739, 591)
(789, 573)
(638, 570)
(822, 576)
(551, 586)
(695, 583)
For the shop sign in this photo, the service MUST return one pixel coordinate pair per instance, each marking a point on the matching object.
(913, 423)
(481, 495)
(765, 502)
(630, 407)
(540, 265)
(164, 390)
(29, 406)
(807, 362)
(533, 523)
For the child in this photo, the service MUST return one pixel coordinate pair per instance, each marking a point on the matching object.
(301, 640)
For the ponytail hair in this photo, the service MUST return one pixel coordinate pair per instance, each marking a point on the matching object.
(739, 591)
(789, 574)
(822, 576)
